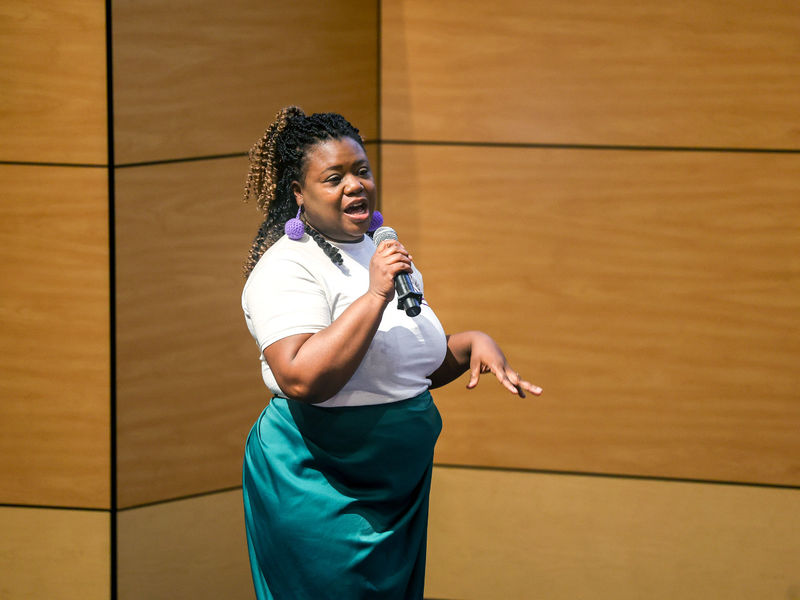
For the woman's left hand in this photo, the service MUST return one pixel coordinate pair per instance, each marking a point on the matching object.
(485, 357)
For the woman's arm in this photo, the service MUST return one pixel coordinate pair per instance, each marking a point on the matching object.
(314, 367)
(477, 352)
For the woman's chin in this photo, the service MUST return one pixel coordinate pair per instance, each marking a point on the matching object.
(357, 225)
(358, 220)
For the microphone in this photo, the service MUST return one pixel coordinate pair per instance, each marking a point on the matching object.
(408, 296)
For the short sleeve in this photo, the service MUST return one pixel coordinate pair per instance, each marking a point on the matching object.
(283, 298)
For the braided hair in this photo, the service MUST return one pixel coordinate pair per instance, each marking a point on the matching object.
(278, 159)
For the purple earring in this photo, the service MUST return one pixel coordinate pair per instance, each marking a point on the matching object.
(294, 228)
(376, 221)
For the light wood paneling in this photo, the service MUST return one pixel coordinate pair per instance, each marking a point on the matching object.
(374, 155)
(60, 554)
(192, 549)
(203, 78)
(54, 336)
(704, 73)
(188, 381)
(53, 81)
(518, 536)
(654, 295)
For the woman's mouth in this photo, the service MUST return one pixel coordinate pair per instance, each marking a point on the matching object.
(358, 210)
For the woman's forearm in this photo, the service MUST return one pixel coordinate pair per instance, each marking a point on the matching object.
(456, 360)
(477, 352)
(313, 368)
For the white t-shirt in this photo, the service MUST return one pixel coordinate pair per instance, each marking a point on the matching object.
(295, 288)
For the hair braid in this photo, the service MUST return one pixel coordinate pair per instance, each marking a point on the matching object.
(330, 251)
(276, 160)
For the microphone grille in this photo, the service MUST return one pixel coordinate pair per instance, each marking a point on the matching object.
(384, 233)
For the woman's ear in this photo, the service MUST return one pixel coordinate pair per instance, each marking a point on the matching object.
(298, 193)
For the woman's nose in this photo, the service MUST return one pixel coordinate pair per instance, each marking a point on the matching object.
(353, 185)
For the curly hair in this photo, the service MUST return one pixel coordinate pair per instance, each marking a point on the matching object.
(278, 159)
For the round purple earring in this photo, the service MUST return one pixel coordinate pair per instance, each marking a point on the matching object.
(376, 221)
(294, 228)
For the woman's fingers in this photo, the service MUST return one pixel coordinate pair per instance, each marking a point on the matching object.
(521, 384)
(533, 389)
(394, 253)
(388, 247)
(507, 377)
(476, 368)
(390, 259)
(503, 378)
(485, 356)
(474, 376)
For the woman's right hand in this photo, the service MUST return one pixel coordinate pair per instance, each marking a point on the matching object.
(389, 260)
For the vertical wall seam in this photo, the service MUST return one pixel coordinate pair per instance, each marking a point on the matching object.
(112, 306)
(378, 99)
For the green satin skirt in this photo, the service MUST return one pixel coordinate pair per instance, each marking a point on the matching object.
(336, 499)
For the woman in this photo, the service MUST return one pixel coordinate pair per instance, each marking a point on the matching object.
(337, 468)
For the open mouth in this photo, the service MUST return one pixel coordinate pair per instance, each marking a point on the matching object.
(358, 208)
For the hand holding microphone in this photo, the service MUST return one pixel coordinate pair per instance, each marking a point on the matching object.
(408, 296)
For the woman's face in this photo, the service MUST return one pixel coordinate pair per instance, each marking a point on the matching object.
(338, 191)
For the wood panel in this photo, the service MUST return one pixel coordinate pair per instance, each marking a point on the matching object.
(514, 536)
(705, 73)
(54, 336)
(203, 78)
(53, 81)
(654, 295)
(193, 549)
(188, 381)
(47, 553)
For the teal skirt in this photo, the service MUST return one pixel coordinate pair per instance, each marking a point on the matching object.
(336, 499)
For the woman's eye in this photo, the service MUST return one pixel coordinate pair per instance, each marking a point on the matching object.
(363, 171)
(333, 179)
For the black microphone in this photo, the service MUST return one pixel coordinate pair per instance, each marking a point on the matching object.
(408, 296)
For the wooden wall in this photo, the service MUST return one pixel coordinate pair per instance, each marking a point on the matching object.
(610, 189)
(54, 302)
(618, 182)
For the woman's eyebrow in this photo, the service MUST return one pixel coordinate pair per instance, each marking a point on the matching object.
(359, 162)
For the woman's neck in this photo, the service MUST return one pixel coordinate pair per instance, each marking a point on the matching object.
(333, 239)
